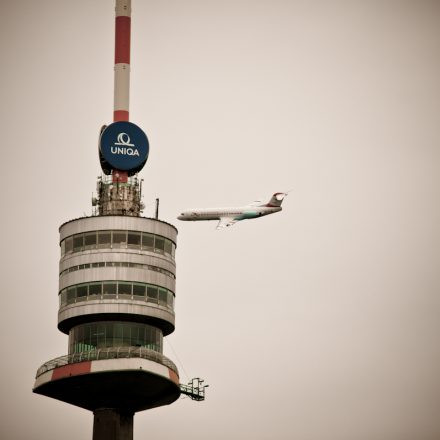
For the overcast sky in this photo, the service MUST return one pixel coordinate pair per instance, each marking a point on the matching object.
(317, 323)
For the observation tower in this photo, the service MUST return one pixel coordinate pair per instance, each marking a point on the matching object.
(117, 284)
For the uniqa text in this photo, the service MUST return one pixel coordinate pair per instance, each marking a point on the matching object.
(124, 150)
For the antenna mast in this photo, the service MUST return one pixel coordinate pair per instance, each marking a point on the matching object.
(123, 146)
(121, 102)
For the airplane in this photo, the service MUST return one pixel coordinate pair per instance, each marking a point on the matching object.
(229, 216)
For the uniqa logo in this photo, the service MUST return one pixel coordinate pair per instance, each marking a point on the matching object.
(124, 146)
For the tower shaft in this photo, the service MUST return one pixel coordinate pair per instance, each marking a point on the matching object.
(110, 424)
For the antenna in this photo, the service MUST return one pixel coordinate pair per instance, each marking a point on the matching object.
(121, 101)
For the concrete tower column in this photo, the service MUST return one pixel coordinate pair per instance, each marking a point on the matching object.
(111, 424)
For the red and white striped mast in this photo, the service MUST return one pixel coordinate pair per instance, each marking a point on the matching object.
(122, 70)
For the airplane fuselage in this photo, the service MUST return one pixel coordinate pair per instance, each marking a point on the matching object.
(229, 216)
(235, 213)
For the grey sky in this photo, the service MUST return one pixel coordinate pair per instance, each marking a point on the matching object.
(318, 323)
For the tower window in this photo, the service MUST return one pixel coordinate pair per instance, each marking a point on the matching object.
(104, 239)
(96, 335)
(78, 242)
(124, 290)
(117, 289)
(90, 240)
(134, 240)
(119, 239)
(159, 244)
(109, 290)
(147, 241)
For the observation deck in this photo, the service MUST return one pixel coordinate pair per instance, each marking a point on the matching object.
(132, 378)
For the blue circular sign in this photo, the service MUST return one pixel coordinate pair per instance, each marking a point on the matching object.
(124, 146)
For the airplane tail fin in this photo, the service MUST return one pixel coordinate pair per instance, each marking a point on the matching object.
(276, 200)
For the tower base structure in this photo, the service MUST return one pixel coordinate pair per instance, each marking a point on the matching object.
(113, 388)
(111, 424)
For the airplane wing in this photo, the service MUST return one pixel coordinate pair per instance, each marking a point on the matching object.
(226, 221)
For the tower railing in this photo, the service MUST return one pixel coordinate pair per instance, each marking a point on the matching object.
(195, 389)
(108, 353)
(108, 180)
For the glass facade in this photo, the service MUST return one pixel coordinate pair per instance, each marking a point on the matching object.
(96, 335)
(117, 240)
(117, 290)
